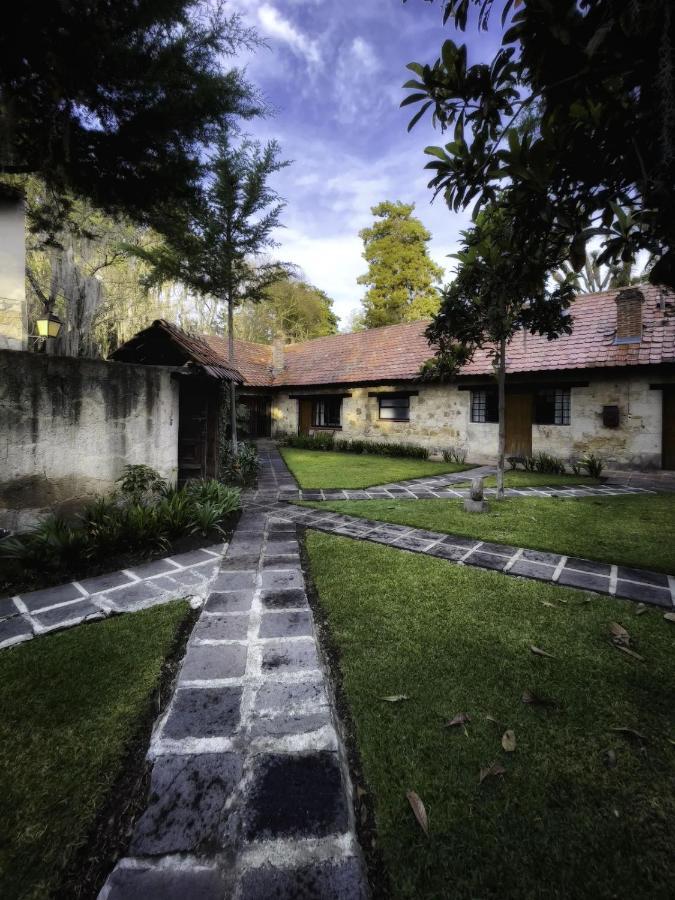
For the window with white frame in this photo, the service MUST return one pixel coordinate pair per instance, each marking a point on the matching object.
(394, 407)
(484, 405)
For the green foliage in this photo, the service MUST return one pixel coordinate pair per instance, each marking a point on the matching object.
(401, 276)
(455, 455)
(549, 464)
(118, 101)
(240, 466)
(292, 308)
(593, 464)
(138, 480)
(379, 448)
(319, 441)
(598, 160)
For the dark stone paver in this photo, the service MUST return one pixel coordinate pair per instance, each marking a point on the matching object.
(50, 596)
(322, 881)
(61, 616)
(531, 569)
(235, 580)
(486, 560)
(221, 628)
(156, 567)
(203, 713)
(289, 723)
(641, 575)
(584, 580)
(286, 624)
(206, 661)
(148, 883)
(644, 593)
(193, 558)
(105, 582)
(283, 599)
(273, 696)
(295, 796)
(287, 656)
(14, 630)
(588, 565)
(138, 594)
(7, 608)
(186, 808)
(282, 580)
(229, 601)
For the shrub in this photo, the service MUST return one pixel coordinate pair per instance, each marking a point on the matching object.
(318, 441)
(593, 464)
(206, 516)
(54, 544)
(241, 466)
(138, 481)
(575, 465)
(455, 455)
(548, 464)
(341, 445)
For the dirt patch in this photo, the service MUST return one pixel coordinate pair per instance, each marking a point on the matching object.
(364, 804)
(109, 838)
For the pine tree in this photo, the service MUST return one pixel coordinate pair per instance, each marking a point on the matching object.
(401, 275)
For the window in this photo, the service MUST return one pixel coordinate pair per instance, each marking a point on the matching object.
(327, 412)
(484, 406)
(395, 408)
(552, 406)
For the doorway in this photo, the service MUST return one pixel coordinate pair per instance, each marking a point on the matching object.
(518, 422)
(259, 416)
(197, 429)
(668, 429)
(304, 416)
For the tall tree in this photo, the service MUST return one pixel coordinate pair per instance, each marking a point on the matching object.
(115, 100)
(498, 291)
(231, 225)
(401, 275)
(291, 307)
(604, 139)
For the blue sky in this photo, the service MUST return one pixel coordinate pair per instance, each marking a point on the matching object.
(333, 72)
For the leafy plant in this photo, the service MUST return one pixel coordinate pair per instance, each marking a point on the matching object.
(139, 480)
(206, 516)
(340, 445)
(455, 455)
(241, 465)
(548, 464)
(575, 466)
(54, 544)
(593, 464)
(174, 511)
(143, 529)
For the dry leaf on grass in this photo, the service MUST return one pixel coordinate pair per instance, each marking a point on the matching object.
(641, 609)
(509, 740)
(539, 652)
(629, 652)
(490, 771)
(670, 617)
(619, 634)
(610, 758)
(547, 603)
(395, 698)
(536, 699)
(419, 811)
(459, 719)
(629, 732)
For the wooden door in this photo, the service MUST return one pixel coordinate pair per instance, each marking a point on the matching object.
(668, 451)
(192, 430)
(304, 416)
(518, 424)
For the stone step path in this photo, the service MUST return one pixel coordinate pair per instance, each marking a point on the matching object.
(654, 588)
(250, 794)
(39, 612)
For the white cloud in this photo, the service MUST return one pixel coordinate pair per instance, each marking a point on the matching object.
(357, 64)
(274, 25)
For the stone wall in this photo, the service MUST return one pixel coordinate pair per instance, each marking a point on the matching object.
(13, 310)
(68, 427)
(440, 418)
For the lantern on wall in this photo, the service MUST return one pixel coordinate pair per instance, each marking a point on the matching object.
(49, 325)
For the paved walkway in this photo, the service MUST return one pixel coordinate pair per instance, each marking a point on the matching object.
(39, 612)
(250, 791)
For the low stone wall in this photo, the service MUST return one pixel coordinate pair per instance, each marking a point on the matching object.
(69, 426)
(440, 418)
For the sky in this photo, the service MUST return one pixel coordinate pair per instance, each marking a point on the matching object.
(332, 72)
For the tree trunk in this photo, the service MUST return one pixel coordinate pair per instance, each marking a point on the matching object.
(501, 389)
(233, 387)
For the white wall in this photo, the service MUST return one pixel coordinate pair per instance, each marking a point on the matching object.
(13, 310)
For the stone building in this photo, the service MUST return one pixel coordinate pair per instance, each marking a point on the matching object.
(609, 387)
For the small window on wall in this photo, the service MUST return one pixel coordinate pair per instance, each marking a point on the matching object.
(327, 412)
(396, 409)
(552, 406)
(484, 406)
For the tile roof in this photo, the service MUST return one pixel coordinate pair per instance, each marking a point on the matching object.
(396, 352)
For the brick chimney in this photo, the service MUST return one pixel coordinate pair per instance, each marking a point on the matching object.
(629, 316)
(13, 309)
(278, 354)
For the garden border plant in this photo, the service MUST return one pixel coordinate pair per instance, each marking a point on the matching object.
(340, 445)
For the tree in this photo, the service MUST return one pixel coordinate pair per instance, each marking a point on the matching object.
(603, 75)
(231, 224)
(401, 275)
(115, 100)
(498, 291)
(291, 307)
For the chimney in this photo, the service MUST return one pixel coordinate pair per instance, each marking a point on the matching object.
(629, 316)
(13, 309)
(278, 354)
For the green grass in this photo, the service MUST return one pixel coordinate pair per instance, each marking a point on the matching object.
(326, 469)
(539, 479)
(71, 703)
(560, 823)
(635, 531)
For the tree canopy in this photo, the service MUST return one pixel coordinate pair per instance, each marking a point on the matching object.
(290, 307)
(602, 75)
(401, 275)
(115, 100)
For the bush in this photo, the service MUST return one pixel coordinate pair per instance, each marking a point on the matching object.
(312, 441)
(548, 464)
(593, 465)
(139, 481)
(240, 467)
(341, 445)
(455, 455)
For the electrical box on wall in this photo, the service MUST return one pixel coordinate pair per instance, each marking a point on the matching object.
(610, 416)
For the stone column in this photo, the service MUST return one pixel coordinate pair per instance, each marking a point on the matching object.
(13, 309)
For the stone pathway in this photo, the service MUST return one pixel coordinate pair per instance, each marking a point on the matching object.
(39, 612)
(250, 792)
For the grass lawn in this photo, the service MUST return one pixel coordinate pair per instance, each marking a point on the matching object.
(563, 821)
(72, 704)
(539, 479)
(636, 530)
(325, 469)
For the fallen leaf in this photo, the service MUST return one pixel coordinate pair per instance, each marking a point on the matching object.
(509, 740)
(546, 603)
(493, 769)
(610, 758)
(492, 719)
(536, 700)
(619, 634)
(671, 741)
(629, 732)
(360, 792)
(564, 602)
(395, 698)
(629, 652)
(459, 719)
(539, 652)
(641, 609)
(419, 811)
(669, 616)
